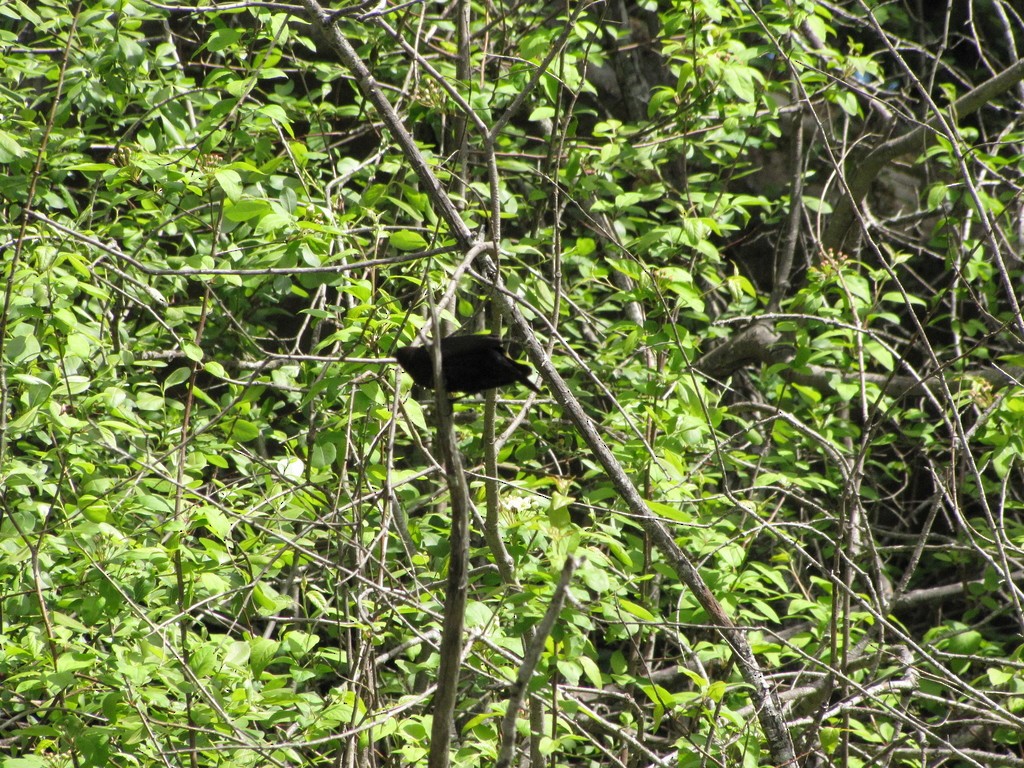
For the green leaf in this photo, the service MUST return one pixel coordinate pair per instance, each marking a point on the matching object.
(29, 761)
(244, 210)
(244, 431)
(177, 376)
(406, 240)
(223, 38)
(10, 150)
(262, 652)
(230, 182)
(636, 610)
(22, 348)
(192, 351)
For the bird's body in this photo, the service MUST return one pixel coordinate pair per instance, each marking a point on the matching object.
(468, 363)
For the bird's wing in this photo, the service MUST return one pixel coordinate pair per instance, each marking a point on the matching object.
(471, 343)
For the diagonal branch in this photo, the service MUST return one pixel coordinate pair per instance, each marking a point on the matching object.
(871, 165)
(769, 710)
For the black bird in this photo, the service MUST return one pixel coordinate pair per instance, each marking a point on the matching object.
(469, 364)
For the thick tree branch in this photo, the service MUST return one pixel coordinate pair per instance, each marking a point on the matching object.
(455, 594)
(869, 166)
(769, 711)
(766, 702)
(373, 93)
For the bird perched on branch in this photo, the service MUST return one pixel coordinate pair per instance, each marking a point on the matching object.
(468, 363)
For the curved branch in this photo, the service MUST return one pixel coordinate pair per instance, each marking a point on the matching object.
(871, 165)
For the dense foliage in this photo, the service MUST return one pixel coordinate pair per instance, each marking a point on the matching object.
(773, 249)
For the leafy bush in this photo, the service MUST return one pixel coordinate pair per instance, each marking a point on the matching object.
(774, 254)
